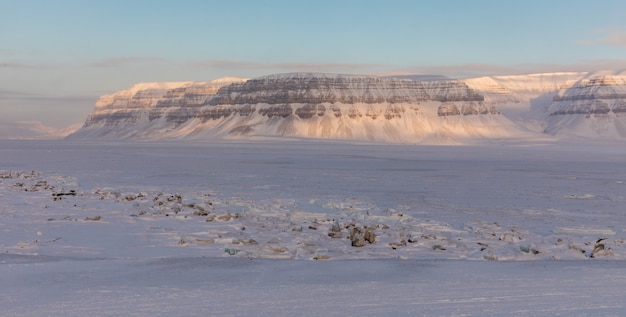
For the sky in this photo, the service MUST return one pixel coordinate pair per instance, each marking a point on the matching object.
(57, 57)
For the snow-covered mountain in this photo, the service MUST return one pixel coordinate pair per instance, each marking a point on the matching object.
(595, 106)
(587, 105)
(331, 106)
(301, 105)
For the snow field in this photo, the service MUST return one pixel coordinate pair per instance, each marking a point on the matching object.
(333, 228)
(270, 228)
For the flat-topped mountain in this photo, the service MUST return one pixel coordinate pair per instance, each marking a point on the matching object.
(300, 105)
(382, 109)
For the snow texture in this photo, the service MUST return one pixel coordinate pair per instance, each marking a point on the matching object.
(321, 106)
(366, 108)
(293, 226)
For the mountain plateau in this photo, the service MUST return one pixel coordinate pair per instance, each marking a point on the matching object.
(368, 108)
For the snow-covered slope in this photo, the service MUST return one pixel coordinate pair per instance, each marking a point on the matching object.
(594, 107)
(380, 109)
(519, 89)
(302, 105)
(125, 113)
(583, 105)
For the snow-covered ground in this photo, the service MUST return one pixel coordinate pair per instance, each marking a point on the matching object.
(302, 227)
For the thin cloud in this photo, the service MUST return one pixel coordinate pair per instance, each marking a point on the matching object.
(477, 70)
(4, 51)
(464, 70)
(34, 130)
(615, 38)
(125, 61)
(321, 67)
(18, 65)
(609, 37)
(15, 95)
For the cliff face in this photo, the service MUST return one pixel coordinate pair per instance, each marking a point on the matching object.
(519, 89)
(152, 101)
(301, 105)
(325, 88)
(593, 106)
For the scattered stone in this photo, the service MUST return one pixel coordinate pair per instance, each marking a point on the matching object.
(228, 217)
(439, 247)
(183, 241)
(279, 250)
(529, 249)
(335, 234)
(359, 236)
(369, 236)
(511, 237)
(358, 241)
(577, 248)
(396, 245)
(483, 246)
(231, 251)
(69, 193)
(245, 241)
(200, 213)
(600, 250)
(273, 241)
(335, 230)
(321, 257)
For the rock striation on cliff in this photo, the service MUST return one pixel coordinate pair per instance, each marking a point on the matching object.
(309, 105)
(594, 106)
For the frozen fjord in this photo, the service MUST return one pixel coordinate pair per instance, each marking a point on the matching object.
(425, 204)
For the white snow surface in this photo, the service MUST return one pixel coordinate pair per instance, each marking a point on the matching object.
(367, 108)
(362, 108)
(147, 95)
(266, 227)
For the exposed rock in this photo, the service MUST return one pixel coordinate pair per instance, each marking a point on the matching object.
(446, 110)
(369, 236)
(321, 257)
(308, 111)
(335, 230)
(394, 112)
(592, 107)
(227, 217)
(333, 106)
(200, 213)
(154, 100)
(600, 249)
(360, 236)
(205, 241)
(276, 111)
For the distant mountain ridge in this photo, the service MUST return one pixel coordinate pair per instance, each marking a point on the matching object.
(368, 108)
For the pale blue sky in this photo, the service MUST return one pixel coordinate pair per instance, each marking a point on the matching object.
(57, 57)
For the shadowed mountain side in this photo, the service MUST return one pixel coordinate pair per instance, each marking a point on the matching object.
(304, 105)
